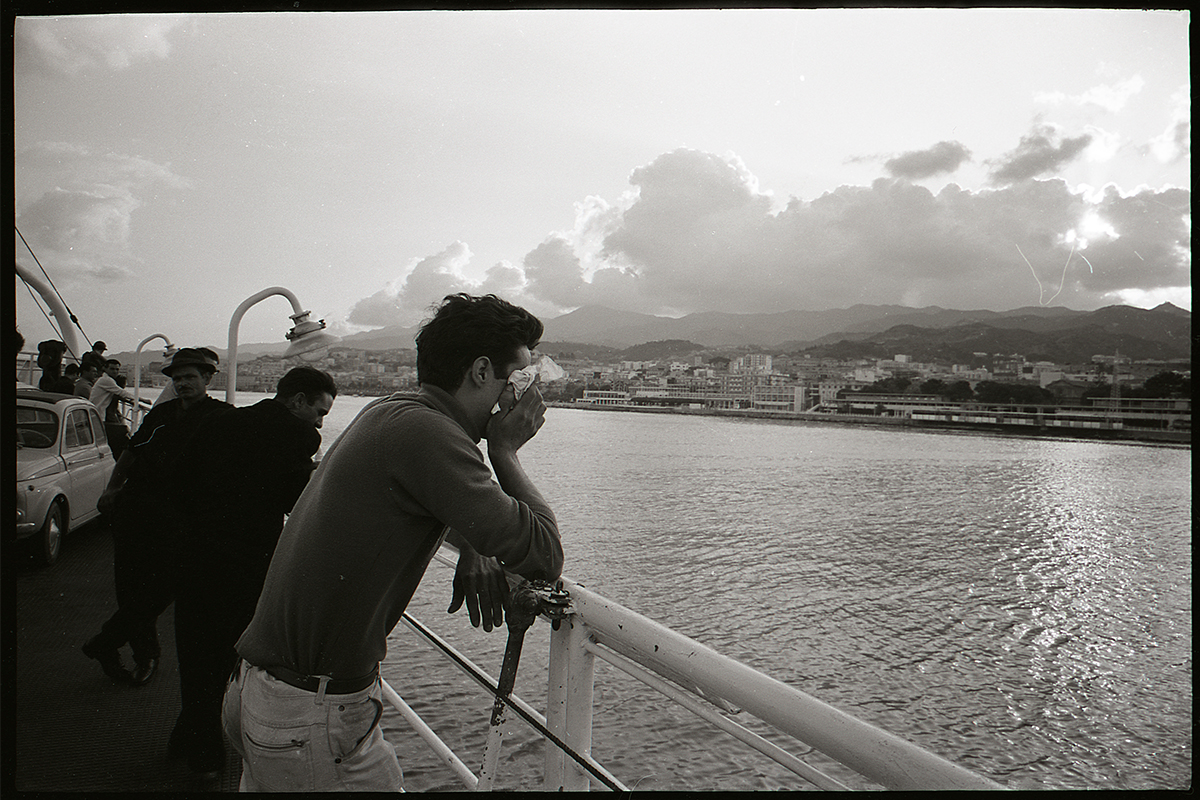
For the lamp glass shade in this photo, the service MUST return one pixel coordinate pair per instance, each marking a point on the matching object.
(310, 342)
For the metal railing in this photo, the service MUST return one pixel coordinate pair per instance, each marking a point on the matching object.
(710, 685)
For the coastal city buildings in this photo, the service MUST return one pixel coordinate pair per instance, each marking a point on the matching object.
(760, 382)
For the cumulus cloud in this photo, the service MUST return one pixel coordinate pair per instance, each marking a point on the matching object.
(1042, 150)
(1175, 143)
(76, 207)
(1110, 97)
(695, 233)
(405, 300)
(70, 45)
(692, 245)
(942, 158)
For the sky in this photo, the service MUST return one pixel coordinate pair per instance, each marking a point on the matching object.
(168, 167)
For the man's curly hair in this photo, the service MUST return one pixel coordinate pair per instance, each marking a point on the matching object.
(465, 327)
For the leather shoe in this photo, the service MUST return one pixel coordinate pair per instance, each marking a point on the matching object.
(109, 658)
(144, 671)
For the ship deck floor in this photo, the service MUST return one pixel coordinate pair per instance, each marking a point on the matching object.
(69, 727)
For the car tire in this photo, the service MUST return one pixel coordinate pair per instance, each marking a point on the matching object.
(49, 541)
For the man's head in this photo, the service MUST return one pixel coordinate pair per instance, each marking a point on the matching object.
(99, 347)
(71, 371)
(89, 371)
(190, 370)
(467, 328)
(308, 393)
(113, 368)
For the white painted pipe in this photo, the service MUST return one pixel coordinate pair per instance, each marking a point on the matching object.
(872, 752)
(425, 732)
(742, 734)
(65, 324)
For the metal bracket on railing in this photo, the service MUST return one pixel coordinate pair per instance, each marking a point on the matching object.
(522, 608)
(554, 601)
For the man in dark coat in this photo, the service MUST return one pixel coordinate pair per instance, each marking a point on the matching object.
(50, 359)
(140, 495)
(245, 470)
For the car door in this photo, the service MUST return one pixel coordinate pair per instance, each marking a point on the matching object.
(85, 464)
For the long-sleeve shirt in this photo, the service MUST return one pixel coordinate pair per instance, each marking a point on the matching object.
(365, 528)
(104, 392)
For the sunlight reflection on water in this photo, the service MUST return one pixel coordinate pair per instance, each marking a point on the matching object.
(1019, 606)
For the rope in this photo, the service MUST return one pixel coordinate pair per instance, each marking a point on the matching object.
(495, 690)
(37, 301)
(52, 286)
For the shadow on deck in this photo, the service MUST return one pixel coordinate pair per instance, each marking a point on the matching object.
(72, 729)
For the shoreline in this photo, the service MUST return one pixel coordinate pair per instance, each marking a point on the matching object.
(1155, 438)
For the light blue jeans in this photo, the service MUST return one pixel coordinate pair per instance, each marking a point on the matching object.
(292, 740)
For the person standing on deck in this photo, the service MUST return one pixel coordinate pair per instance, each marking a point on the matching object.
(94, 356)
(106, 396)
(88, 374)
(50, 358)
(405, 471)
(168, 391)
(245, 470)
(141, 495)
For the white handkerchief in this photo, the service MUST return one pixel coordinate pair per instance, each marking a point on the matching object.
(522, 379)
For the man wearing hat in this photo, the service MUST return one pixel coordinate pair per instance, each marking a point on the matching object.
(141, 496)
(94, 356)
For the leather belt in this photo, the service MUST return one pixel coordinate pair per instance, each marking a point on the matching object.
(312, 683)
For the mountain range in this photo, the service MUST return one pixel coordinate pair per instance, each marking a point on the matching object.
(864, 331)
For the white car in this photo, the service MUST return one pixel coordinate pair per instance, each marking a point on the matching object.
(63, 464)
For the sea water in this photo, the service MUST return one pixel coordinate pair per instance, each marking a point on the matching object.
(1020, 606)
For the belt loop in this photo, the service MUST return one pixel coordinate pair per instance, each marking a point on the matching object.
(321, 688)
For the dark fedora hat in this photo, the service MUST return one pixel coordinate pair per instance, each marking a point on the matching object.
(190, 357)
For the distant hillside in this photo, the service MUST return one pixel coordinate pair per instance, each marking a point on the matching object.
(791, 331)
(1162, 332)
(1133, 335)
(580, 350)
(651, 351)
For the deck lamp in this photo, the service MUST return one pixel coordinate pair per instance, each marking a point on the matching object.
(309, 340)
(137, 372)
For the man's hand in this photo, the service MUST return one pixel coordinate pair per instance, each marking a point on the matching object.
(480, 581)
(515, 424)
(107, 501)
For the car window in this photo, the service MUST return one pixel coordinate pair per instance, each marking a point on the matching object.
(97, 427)
(81, 430)
(70, 437)
(36, 427)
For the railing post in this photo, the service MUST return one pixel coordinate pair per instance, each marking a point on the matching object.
(581, 666)
(556, 706)
(569, 705)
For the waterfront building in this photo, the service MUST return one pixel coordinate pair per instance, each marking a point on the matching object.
(602, 397)
(827, 390)
(777, 397)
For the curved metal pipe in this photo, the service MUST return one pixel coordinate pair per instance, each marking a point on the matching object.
(236, 320)
(65, 323)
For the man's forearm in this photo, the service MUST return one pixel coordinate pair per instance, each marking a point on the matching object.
(513, 479)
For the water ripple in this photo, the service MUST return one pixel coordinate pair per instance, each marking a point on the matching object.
(1022, 607)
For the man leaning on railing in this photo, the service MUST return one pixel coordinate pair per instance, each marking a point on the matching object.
(304, 706)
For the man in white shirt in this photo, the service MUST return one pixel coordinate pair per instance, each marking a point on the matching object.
(106, 396)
